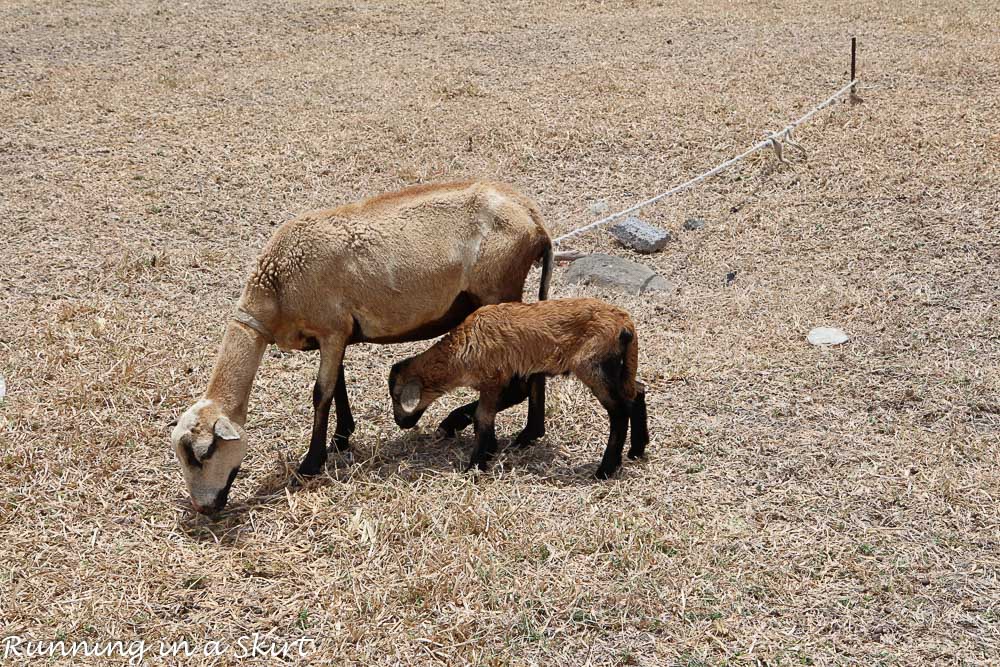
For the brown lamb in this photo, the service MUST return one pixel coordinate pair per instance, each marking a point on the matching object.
(504, 346)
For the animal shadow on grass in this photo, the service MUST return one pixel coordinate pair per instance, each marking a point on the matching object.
(405, 457)
(225, 527)
(412, 455)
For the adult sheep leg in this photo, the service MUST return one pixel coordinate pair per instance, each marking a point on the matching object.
(331, 351)
(345, 420)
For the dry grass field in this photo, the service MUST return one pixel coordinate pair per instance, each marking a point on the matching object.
(799, 505)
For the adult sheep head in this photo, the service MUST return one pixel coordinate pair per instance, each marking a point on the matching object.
(210, 448)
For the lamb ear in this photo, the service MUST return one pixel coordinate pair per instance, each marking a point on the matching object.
(225, 429)
(409, 398)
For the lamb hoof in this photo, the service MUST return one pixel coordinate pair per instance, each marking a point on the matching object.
(447, 431)
(451, 425)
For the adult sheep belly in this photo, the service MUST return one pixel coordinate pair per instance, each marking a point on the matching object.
(417, 298)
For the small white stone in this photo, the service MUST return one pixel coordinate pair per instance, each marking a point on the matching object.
(599, 207)
(3, 388)
(827, 336)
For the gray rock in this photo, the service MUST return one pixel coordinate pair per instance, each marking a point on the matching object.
(824, 336)
(640, 236)
(3, 388)
(616, 273)
(599, 207)
(692, 224)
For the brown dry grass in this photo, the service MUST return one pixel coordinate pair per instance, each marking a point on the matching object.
(800, 505)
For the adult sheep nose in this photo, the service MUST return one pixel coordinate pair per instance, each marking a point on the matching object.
(199, 508)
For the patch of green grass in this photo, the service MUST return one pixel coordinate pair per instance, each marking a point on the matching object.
(627, 658)
(688, 660)
(704, 615)
(666, 549)
(583, 617)
(527, 627)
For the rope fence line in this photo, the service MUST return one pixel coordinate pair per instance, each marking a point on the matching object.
(773, 140)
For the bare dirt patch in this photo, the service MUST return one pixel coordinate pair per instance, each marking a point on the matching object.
(800, 505)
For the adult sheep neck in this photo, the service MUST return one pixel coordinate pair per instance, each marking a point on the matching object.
(400, 267)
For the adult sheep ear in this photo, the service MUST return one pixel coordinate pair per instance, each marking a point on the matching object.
(225, 429)
(409, 398)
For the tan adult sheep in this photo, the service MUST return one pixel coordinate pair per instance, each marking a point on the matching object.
(502, 346)
(404, 266)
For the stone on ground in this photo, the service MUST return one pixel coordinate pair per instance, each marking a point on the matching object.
(824, 336)
(640, 236)
(691, 224)
(599, 207)
(616, 273)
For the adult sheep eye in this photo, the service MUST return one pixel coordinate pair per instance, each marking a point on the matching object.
(189, 456)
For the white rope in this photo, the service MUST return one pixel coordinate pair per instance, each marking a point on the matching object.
(773, 140)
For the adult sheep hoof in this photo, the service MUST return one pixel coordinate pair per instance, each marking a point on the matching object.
(310, 469)
(526, 438)
(477, 466)
(339, 443)
(603, 473)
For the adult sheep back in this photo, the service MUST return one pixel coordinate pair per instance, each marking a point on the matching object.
(405, 266)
